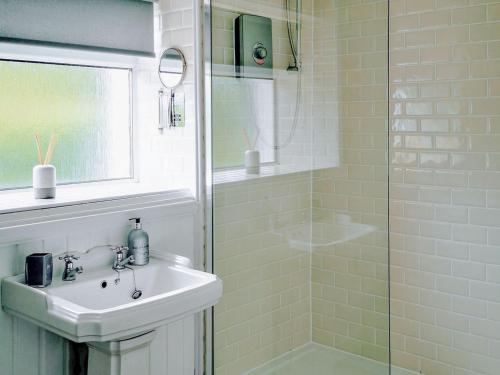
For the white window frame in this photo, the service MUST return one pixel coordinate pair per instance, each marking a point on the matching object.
(131, 128)
(114, 192)
(276, 153)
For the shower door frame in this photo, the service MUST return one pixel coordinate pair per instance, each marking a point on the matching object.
(203, 42)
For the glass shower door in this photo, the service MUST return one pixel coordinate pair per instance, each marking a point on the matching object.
(301, 244)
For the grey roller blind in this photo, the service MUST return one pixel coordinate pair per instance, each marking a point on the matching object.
(124, 26)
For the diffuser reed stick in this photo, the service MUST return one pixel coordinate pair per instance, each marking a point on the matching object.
(250, 145)
(256, 138)
(38, 149)
(50, 150)
(246, 138)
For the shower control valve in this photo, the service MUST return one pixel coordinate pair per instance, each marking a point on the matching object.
(259, 53)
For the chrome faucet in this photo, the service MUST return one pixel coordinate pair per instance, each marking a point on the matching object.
(120, 262)
(70, 270)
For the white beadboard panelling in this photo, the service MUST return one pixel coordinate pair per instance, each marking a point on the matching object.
(6, 344)
(180, 347)
(172, 350)
(26, 353)
(158, 349)
(51, 353)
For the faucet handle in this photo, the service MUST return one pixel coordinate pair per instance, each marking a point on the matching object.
(119, 248)
(68, 257)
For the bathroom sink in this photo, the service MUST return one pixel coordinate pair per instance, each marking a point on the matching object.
(94, 308)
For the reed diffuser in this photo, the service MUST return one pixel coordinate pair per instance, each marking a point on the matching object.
(252, 156)
(44, 174)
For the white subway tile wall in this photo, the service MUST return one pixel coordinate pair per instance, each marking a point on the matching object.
(444, 188)
(444, 76)
(167, 158)
(349, 280)
(349, 276)
(265, 308)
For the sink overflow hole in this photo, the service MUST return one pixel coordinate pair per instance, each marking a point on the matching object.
(137, 294)
(104, 284)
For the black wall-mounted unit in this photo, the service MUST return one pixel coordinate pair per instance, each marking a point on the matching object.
(253, 47)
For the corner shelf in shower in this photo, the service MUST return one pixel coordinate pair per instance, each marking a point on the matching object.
(316, 235)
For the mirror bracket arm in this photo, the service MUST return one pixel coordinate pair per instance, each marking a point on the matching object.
(169, 119)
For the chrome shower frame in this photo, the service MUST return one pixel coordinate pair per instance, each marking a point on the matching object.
(203, 85)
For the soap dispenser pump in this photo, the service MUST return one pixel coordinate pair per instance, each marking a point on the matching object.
(138, 243)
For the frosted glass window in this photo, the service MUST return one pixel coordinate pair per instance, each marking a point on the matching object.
(242, 106)
(87, 108)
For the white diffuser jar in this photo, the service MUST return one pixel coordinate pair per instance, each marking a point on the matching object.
(44, 181)
(252, 162)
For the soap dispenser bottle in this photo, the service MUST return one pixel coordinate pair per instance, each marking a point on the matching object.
(138, 243)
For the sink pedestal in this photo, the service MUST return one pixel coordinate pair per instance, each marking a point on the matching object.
(126, 357)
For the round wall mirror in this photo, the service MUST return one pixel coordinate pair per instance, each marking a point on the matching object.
(172, 68)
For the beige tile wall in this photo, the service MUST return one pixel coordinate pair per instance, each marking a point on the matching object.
(325, 92)
(349, 280)
(445, 181)
(444, 161)
(265, 309)
(349, 269)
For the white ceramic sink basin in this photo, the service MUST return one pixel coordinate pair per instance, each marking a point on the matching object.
(83, 310)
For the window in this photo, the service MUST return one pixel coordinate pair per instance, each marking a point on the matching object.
(243, 112)
(87, 108)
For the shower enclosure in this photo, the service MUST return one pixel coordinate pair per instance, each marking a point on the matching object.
(368, 241)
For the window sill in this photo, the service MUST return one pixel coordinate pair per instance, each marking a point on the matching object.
(90, 206)
(100, 194)
(229, 176)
